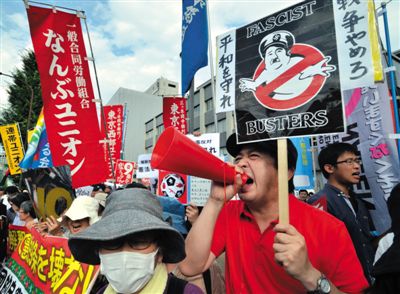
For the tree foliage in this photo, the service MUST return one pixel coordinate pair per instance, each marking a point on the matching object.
(25, 81)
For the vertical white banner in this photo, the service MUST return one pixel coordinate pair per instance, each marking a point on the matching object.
(353, 43)
(225, 76)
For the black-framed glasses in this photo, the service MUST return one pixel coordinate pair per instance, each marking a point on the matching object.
(350, 161)
(136, 242)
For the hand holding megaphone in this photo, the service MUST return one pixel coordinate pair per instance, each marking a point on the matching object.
(177, 153)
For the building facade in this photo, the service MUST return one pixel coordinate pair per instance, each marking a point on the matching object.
(138, 108)
(163, 87)
(200, 114)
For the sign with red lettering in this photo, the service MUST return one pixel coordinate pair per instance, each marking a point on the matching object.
(124, 171)
(174, 113)
(114, 115)
(70, 113)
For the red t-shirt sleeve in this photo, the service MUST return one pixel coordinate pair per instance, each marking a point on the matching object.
(345, 270)
(219, 235)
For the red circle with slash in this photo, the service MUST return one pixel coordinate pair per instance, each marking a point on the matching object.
(311, 56)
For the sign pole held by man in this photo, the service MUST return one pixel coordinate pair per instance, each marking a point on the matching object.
(283, 200)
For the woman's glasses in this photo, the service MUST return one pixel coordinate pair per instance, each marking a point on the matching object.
(135, 241)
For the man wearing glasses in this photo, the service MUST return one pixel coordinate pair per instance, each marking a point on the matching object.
(341, 166)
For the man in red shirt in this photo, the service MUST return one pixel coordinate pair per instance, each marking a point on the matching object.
(313, 254)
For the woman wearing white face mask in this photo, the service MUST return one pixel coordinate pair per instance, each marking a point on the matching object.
(132, 244)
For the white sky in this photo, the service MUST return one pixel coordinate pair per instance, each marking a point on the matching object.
(137, 41)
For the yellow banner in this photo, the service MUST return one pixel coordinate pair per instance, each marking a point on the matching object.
(12, 146)
(375, 47)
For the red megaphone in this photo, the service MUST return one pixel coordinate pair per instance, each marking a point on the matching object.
(177, 153)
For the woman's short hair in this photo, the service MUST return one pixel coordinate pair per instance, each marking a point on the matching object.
(27, 207)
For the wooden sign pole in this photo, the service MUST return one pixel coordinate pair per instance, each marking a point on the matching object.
(283, 198)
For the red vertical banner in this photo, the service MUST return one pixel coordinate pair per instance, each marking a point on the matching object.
(114, 115)
(124, 171)
(174, 113)
(70, 113)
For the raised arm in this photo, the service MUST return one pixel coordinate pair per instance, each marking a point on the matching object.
(198, 242)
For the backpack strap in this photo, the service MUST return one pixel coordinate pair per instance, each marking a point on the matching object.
(175, 285)
(207, 281)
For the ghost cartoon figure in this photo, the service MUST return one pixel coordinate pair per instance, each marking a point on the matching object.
(291, 72)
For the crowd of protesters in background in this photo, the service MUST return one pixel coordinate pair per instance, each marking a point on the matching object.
(138, 238)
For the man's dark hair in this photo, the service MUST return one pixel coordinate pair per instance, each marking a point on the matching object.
(303, 190)
(19, 198)
(98, 187)
(61, 205)
(11, 190)
(393, 204)
(332, 152)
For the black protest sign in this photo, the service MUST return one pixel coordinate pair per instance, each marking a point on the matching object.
(287, 74)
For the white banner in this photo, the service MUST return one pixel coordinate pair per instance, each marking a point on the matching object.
(144, 169)
(198, 190)
(83, 191)
(209, 141)
(353, 43)
(225, 77)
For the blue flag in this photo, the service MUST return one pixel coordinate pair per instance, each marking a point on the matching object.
(38, 154)
(194, 40)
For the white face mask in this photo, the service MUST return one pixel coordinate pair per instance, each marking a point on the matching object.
(128, 272)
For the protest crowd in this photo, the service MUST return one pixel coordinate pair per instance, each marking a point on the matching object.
(91, 222)
(142, 250)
